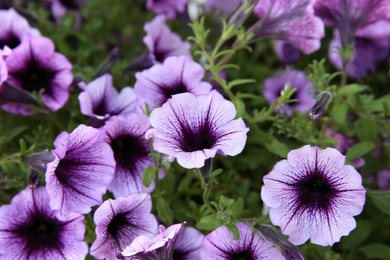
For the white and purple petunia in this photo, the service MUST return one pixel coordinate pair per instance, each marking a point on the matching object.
(314, 195)
(289, 20)
(29, 229)
(159, 247)
(100, 99)
(188, 244)
(34, 65)
(370, 45)
(167, 7)
(120, 221)
(222, 245)
(13, 28)
(274, 87)
(287, 52)
(83, 167)
(193, 129)
(176, 75)
(162, 43)
(126, 136)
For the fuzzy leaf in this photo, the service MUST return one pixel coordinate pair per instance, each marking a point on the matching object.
(149, 175)
(381, 200)
(376, 251)
(164, 211)
(359, 150)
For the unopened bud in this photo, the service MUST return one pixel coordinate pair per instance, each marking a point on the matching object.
(33, 178)
(322, 101)
(38, 161)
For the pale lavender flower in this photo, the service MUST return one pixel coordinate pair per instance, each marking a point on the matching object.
(224, 7)
(156, 248)
(188, 245)
(221, 245)
(13, 28)
(370, 45)
(350, 15)
(287, 52)
(384, 179)
(167, 7)
(176, 75)
(100, 99)
(34, 65)
(193, 129)
(314, 195)
(126, 136)
(83, 167)
(3, 69)
(119, 222)
(162, 43)
(29, 229)
(289, 20)
(274, 87)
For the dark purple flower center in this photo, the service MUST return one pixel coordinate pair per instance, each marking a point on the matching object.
(11, 41)
(243, 255)
(129, 149)
(197, 139)
(70, 4)
(122, 230)
(34, 77)
(170, 91)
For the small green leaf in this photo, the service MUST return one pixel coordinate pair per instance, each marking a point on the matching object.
(339, 112)
(149, 175)
(234, 230)
(240, 82)
(216, 173)
(381, 200)
(240, 106)
(359, 150)
(164, 211)
(350, 89)
(376, 251)
(278, 148)
(22, 147)
(358, 235)
(207, 223)
(367, 130)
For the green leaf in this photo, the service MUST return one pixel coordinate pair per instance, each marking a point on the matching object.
(149, 175)
(207, 223)
(216, 173)
(358, 235)
(376, 251)
(339, 112)
(367, 130)
(234, 230)
(164, 211)
(22, 147)
(278, 148)
(240, 106)
(350, 89)
(240, 82)
(381, 200)
(359, 150)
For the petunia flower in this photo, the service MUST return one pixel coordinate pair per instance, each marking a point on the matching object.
(176, 75)
(167, 7)
(33, 66)
(384, 179)
(156, 248)
(119, 222)
(287, 52)
(126, 136)
(83, 167)
(222, 245)
(193, 129)
(348, 16)
(289, 20)
(188, 245)
(100, 100)
(13, 28)
(314, 195)
(274, 87)
(370, 45)
(162, 43)
(223, 7)
(60, 7)
(29, 229)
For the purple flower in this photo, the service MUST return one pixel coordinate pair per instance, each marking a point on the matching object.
(33, 66)
(167, 7)
(314, 195)
(193, 129)
(343, 145)
(370, 45)
(274, 87)
(83, 167)
(159, 247)
(3, 70)
(131, 152)
(188, 245)
(225, 7)
(350, 15)
(60, 7)
(176, 75)
(384, 179)
(29, 229)
(119, 222)
(221, 244)
(162, 43)
(287, 52)
(289, 20)
(101, 100)
(13, 28)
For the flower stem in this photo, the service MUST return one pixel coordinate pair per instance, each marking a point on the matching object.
(206, 193)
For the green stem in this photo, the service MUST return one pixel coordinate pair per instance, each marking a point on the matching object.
(206, 193)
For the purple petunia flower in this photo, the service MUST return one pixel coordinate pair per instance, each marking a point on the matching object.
(159, 247)
(167, 7)
(188, 245)
(60, 7)
(119, 222)
(350, 15)
(176, 75)
(221, 244)
(274, 87)
(33, 66)
(162, 43)
(131, 152)
(3, 69)
(370, 45)
(83, 167)
(13, 28)
(224, 7)
(287, 52)
(193, 129)
(29, 229)
(314, 195)
(384, 179)
(101, 100)
(289, 20)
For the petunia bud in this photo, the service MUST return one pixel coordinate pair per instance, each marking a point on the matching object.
(322, 101)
